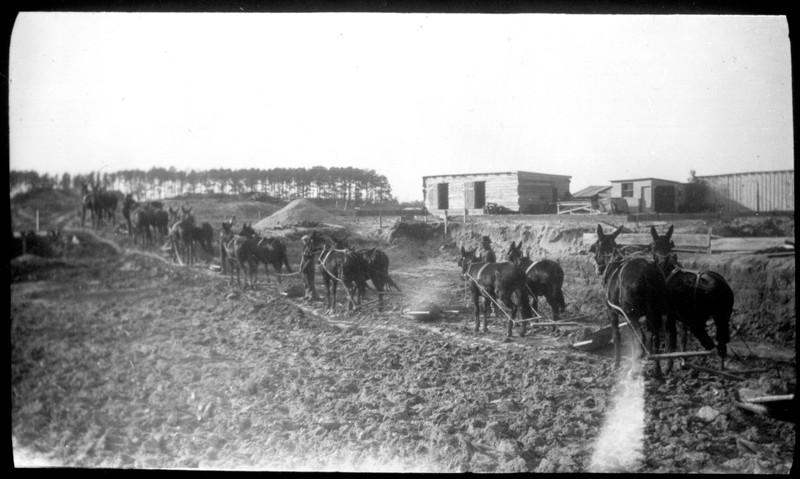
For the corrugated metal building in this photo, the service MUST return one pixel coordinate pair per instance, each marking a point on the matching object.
(758, 191)
(518, 191)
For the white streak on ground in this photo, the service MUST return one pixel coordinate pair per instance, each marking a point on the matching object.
(621, 440)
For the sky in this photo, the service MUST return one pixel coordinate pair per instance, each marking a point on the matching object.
(596, 97)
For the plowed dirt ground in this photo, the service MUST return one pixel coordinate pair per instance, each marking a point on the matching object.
(122, 359)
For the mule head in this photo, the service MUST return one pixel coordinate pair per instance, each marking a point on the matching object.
(605, 249)
(662, 247)
(340, 243)
(467, 258)
(247, 230)
(186, 214)
(173, 215)
(227, 226)
(129, 202)
(514, 253)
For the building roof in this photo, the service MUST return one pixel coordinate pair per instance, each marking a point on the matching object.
(747, 173)
(590, 191)
(499, 173)
(645, 179)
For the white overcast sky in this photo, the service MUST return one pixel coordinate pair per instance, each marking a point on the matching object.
(597, 97)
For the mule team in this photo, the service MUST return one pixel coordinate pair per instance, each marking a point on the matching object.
(634, 287)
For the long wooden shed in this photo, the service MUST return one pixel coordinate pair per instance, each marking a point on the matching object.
(518, 191)
(756, 191)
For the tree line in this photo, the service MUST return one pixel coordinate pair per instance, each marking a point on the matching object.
(355, 185)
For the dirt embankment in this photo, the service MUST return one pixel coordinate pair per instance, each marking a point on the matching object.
(764, 287)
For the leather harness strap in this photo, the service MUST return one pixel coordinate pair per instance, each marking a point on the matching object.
(532, 265)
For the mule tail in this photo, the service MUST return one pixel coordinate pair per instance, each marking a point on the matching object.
(286, 262)
(723, 310)
(391, 283)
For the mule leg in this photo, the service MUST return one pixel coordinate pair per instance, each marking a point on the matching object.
(507, 300)
(655, 347)
(223, 257)
(671, 334)
(698, 328)
(379, 286)
(476, 301)
(327, 282)
(722, 322)
(615, 336)
(552, 301)
(488, 304)
(334, 286)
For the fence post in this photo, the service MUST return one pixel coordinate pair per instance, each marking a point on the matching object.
(709, 240)
(380, 220)
(37, 220)
(465, 216)
(445, 223)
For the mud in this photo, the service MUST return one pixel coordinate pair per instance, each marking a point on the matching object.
(122, 359)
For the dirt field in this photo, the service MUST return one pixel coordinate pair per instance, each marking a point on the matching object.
(123, 359)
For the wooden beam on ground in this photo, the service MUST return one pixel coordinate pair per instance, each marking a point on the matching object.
(684, 354)
(769, 399)
(546, 323)
(756, 408)
(714, 371)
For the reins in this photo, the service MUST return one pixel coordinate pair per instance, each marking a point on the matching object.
(322, 263)
(618, 272)
(607, 277)
(467, 275)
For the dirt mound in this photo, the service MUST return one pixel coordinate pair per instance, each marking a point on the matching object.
(299, 212)
(415, 230)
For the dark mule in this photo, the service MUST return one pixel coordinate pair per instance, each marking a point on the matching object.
(141, 219)
(346, 266)
(225, 235)
(492, 280)
(545, 278)
(634, 287)
(88, 203)
(377, 265)
(273, 252)
(692, 298)
(203, 236)
(181, 235)
(106, 204)
(128, 205)
(241, 254)
(159, 221)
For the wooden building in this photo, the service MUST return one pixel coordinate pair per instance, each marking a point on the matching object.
(513, 191)
(752, 192)
(648, 195)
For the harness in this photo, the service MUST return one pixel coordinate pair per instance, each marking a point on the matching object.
(679, 269)
(607, 277)
(322, 263)
(466, 276)
(532, 265)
